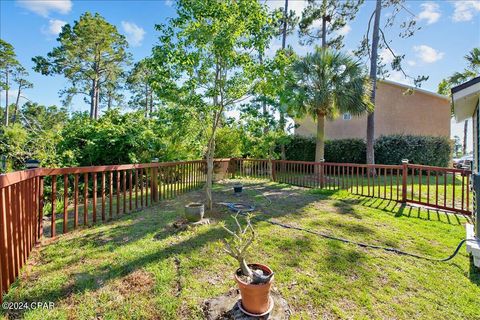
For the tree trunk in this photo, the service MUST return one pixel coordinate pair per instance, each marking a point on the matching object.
(15, 110)
(92, 98)
(97, 102)
(209, 183)
(320, 146)
(465, 134)
(284, 42)
(146, 100)
(264, 103)
(373, 78)
(324, 30)
(285, 23)
(109, 104)
(151, 102)
(7, 113)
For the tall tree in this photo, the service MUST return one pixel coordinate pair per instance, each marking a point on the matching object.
(408, 27)
(208, 58)
(8, 64)
(19, 77)
(333, 16)
(138, 82)
(287, 26)
(326, 84)
(89, 54)
(471, 71)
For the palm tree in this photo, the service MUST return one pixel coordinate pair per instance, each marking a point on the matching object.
(325, 84)
(471, 71)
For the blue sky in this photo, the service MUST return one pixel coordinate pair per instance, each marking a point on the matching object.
(449, 30)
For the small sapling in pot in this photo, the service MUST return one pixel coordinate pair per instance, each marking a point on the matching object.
(254, 280)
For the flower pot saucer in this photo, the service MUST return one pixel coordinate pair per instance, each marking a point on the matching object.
(270, 308)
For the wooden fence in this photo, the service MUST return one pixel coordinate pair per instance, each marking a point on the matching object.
(83, 196)
(435, 187)
(89, 195)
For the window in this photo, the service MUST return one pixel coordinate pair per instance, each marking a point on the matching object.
(347, 116)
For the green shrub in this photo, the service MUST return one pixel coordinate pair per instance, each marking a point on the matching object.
(342, 150)
(426, 150)
(227, 143)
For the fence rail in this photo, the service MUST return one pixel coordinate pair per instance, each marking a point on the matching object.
(435, 187)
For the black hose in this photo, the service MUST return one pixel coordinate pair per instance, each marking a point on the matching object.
(234, 206)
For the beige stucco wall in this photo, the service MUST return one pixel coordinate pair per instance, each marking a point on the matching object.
(418, 113)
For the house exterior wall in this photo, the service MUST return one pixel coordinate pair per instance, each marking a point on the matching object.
(476, 137)
(418, 113)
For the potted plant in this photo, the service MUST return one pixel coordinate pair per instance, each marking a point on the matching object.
(194, 211)
(254, 280)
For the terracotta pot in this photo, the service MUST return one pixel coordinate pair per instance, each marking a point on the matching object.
(255, 297)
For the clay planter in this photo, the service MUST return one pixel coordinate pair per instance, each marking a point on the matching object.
(194, 212)
(255, 297)
(237, 188)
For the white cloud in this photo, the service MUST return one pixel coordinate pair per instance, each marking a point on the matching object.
(465, 10)
(134, 33)
(297, 5)
(428, 54)
(169, 3)
(411, 63)
(386, 56)
(430, 12)
(54, 27)
(44, 7)
(344, 30)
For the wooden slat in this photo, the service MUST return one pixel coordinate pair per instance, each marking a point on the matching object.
(103, 196)
(75, 201)
(53, 226)
(65, 203)
(85, 199)
(94, 198)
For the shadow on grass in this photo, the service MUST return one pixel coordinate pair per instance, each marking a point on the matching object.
(399, 209)
(154, 223)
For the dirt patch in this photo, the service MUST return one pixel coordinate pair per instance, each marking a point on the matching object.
(139, 281)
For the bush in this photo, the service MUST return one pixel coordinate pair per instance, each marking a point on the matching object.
(426, 150)
(342, 150)
(227, 142)
(432, 151)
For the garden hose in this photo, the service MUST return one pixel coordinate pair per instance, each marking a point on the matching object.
(243, 209)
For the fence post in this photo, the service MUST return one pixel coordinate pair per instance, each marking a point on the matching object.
(322, 182)
(404, 179)
(40, 209)
(154, 178)
(274, 174)
(232, 167)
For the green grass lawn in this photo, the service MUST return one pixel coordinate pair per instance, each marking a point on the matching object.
(140, 267)
(444, 190)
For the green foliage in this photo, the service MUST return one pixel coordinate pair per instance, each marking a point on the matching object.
(336, 13)
(426, 150)
(128, 138)
(35, 135)
(342, 150)
(471, 71)
(91, 55)
(433, 151)
(138, 82)
(329, 83)
(227, 142)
